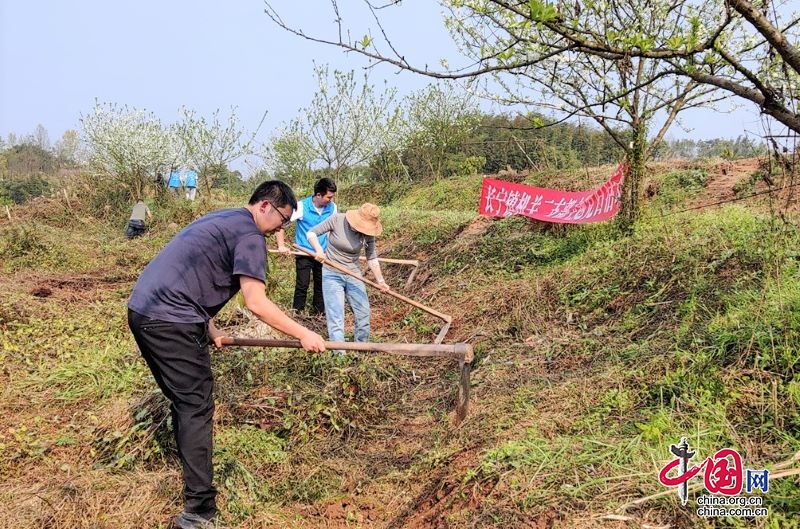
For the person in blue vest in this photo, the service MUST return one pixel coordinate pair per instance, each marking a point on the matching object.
(310, 212)
(175, 181)
(191, 182)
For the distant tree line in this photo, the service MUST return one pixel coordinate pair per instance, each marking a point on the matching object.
(24, 171)
(500, 143)
(30, 167)
(731, 149)
(465, 143)
(438, 132)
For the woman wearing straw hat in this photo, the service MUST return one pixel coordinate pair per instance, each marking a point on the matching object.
(347, 234)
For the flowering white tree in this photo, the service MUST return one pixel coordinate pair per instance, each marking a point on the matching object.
(346, 122)
(289, 155)
(212, 144)
(127, 144)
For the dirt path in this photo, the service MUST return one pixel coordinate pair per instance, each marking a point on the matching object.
(723, 178)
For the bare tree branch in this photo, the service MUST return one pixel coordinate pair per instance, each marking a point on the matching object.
(783, 47)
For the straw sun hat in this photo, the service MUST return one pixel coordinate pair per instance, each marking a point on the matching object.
(365, 219)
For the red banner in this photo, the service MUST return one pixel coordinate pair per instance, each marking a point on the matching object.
(503, 199)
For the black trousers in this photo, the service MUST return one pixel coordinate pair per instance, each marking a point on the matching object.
(135, 228)
(177, 354)
(304, 266)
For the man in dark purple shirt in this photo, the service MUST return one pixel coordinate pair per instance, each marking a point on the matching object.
(170, 313)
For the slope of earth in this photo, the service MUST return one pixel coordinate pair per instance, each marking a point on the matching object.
(757, 183)
(594, 352)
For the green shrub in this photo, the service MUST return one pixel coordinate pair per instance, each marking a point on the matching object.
(459, 165)
(22, 242)
(458, 193)
(677, 186)
(23, 189)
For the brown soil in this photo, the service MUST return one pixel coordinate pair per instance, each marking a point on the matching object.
(724, 177)
(736, 181)
(443, 495)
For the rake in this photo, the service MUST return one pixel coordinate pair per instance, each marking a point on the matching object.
(408, 262)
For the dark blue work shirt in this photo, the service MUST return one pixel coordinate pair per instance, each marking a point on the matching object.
(198, 271)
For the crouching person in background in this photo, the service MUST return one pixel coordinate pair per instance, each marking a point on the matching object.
(136, 224)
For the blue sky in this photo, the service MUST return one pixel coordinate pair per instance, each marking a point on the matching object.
(58, 57)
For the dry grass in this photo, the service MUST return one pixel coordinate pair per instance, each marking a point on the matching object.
(564, 416)
(84, 497)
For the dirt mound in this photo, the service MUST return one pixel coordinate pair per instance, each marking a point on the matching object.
(66, 287)
(757, 183)
(476, 228)
(724, 177)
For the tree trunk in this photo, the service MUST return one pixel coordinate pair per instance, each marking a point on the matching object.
(634, 179)
(139, 185)
(206, 176)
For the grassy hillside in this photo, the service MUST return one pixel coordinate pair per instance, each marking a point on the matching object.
(594, 353)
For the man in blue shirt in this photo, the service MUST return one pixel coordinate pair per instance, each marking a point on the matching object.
(170, 314)
(310, 212)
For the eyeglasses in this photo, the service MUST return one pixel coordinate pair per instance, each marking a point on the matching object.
(285, 221)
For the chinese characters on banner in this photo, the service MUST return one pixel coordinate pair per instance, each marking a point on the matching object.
(503, 199)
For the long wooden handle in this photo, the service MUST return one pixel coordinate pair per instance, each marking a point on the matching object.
(459, 351)
(401, 297)
(411, 262)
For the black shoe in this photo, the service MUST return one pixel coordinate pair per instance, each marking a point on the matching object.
(190, 520)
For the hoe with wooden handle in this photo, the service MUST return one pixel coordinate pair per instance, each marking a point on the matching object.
(446, 317)
(462, 352)
(409, 262)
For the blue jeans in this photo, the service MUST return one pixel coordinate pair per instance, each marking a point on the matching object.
(336, 287)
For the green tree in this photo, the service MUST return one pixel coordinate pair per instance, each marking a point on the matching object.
(440, 119)
(230, 181)
(26, 159)
(624, 95)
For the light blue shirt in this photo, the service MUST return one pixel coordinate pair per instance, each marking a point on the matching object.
(191, 178)
(308, 216)
(175, 178)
